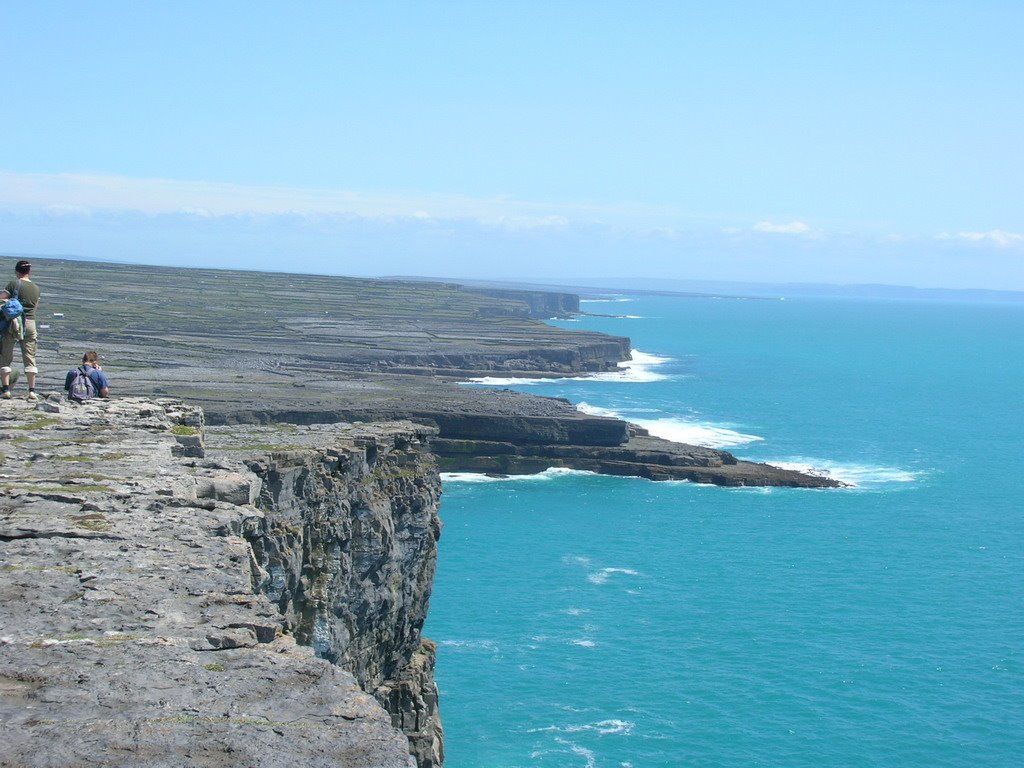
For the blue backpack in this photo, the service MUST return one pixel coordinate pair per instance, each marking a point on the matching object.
(11, 308)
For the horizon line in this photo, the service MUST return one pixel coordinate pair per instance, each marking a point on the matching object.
(1006, 292)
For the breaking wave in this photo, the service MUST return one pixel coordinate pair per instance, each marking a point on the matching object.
(696, 433)
(856, 475)
(680, 430)
(479, 477)
(635, 371)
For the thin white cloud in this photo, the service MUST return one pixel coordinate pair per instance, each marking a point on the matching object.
(997, 237)
(667, 233)
(792, 228)
(59, 209)
(520, 222)
(94, 193)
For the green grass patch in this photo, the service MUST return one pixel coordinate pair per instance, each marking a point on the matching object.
(38, 568)
(68, 488)
(91, 522)
(214, 667)
(40, 422)
(71, 479)
(283, 426)
(181, 429)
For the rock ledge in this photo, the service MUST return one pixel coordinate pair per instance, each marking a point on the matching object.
(137, 629)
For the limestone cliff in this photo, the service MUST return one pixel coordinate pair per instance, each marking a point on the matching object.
(162, 608)
(346, 550)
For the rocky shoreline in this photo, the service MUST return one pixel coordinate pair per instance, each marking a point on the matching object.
(508, 433)
(260, 348)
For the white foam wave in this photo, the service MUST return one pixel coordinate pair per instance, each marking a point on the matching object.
(637, 370)
(508, 381)
(617, 300)
(680, 430)
(583, 752)
(470, 645)
(645, 358)
(602, 576)
(604, 727)
(584, 643)
(595, 410)
(478, 477)
(856, 475)
(696, 432)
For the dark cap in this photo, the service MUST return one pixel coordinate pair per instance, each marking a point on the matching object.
(22, 267)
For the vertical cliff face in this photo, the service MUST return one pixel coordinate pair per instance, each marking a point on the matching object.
(541, 305)
(346, 550)
(170, 596)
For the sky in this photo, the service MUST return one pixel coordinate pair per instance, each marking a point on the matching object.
(757, 141)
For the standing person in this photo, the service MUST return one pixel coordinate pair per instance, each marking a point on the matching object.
(87, 380)
(28, 295)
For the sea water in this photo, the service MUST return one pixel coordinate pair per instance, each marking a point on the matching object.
(603, 621)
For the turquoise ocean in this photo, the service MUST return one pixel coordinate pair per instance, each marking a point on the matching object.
(615, 622)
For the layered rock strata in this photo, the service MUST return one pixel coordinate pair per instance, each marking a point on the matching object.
(640, 456)
(346, 550)
(509, 433)
(156, 602)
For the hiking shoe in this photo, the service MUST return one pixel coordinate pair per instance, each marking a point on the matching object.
(32, 395)
(6, 394)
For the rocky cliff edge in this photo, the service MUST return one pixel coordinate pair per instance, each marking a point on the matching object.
(176, 596)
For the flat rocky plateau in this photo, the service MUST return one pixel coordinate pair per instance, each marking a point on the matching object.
(253, 347)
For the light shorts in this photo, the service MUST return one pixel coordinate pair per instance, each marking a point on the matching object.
(28, 349)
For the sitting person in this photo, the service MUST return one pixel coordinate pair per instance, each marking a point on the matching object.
(87, 380)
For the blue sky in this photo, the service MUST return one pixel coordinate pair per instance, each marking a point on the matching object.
(837, 142)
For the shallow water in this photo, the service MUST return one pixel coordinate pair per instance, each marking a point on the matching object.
(599, 621)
